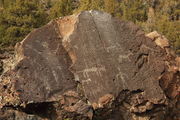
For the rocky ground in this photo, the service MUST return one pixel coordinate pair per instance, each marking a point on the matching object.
(90, 66)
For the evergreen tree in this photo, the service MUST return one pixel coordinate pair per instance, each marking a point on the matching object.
(19, 19)
(112, 7)
(90, 5)
(6, 3)
(134, 10)
(61, 8)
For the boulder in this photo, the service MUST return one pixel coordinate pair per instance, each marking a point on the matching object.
(87, 62)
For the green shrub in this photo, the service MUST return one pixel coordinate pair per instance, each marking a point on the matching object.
(61, 8)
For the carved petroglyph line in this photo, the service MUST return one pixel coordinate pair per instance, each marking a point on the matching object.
(110, 47)
(87, 80)
(76, 47)
(93, 69)
(45, 45)
(57, 49)
(76, 76)
(86, 66)
(115, 47)
(55, 75)
(122, 57)
(122, 76)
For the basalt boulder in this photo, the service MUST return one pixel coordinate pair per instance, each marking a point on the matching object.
(92, 66)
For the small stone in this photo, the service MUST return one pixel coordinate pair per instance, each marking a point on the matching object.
(153, 35)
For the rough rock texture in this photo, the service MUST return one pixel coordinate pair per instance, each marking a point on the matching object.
(160, 40)
(92, 66)
(16, 115)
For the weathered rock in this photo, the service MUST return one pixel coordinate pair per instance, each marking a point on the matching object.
(162, 42)
(153, 35)
(88, 60)
(159, 39)
(42, 67)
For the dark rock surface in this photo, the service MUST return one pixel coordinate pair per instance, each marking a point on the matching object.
(43, 69)
(16, 115)
(90, 66)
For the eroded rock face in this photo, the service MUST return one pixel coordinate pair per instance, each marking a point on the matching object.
(42, 68)
(112, 56)
(90, 61)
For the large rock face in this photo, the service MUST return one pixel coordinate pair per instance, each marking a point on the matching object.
(85, 60)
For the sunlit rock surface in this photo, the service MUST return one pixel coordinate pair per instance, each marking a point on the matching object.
(91, 62)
